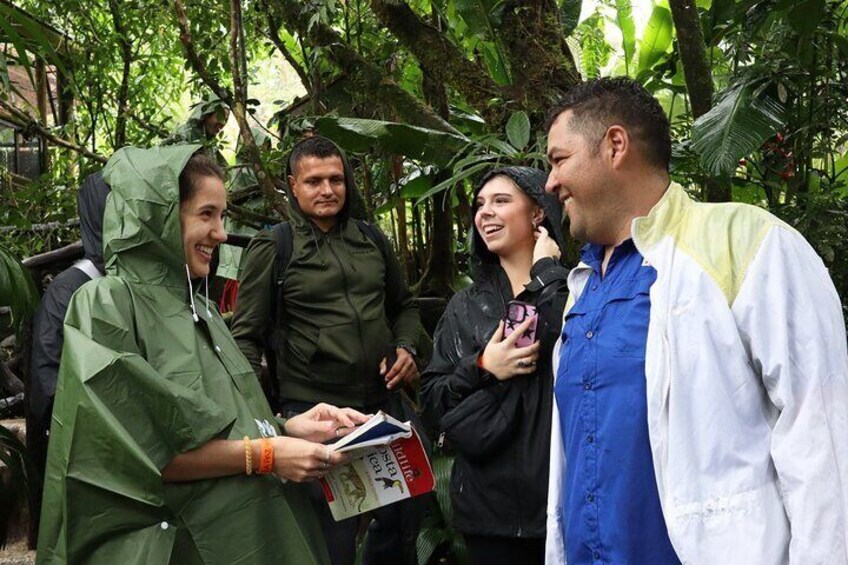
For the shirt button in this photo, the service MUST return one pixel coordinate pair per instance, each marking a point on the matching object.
(590, 438)
(164, 525)
(218, 349)
(594, 287)
(597, 555)
(590, 334)
(590, 497)
(587, 385)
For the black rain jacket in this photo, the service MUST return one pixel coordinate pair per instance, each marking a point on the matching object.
(47, 336)
(500, 430)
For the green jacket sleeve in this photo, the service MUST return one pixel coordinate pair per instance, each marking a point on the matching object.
(253, 319)
(400, 304)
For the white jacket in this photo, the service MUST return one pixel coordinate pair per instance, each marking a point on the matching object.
(747, 388)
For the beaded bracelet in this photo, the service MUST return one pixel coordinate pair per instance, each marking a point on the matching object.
(266, 459)
(248, 456)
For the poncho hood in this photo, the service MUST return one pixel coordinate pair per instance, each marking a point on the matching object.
(142, 221)
(532, 182)
(354, 206)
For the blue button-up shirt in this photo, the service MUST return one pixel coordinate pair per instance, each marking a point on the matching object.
(611, 508)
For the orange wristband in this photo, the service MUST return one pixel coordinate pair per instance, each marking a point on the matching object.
(480, 361)
(266, 456)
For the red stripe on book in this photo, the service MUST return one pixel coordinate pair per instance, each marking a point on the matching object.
(414, 465)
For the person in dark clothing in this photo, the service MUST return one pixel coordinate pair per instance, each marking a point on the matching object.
(343, 306)
(47, 336)
(490, 398)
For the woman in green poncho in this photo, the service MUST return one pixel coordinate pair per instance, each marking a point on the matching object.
(162, 447)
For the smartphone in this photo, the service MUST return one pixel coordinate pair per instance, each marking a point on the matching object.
(516, 313)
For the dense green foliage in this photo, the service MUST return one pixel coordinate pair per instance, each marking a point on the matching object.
(457, 74)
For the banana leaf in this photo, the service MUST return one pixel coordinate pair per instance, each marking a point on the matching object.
(360, 135)
(17, 290)
(734, 128)
(656, 39)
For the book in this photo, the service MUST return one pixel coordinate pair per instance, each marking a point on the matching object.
(380, 429)
(388, 464)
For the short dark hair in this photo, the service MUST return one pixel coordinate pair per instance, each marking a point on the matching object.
(197, 167)
(313, 146)
(600, 103)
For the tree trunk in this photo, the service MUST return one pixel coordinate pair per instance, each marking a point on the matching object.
(443, 61)
(699, 79)
(372, 79)
(542, 65)
(126, 58)
(441, 268)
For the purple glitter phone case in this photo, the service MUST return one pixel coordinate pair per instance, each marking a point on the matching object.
(516, 313)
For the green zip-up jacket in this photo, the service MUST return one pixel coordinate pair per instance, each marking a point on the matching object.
(141, 381)
(344, 306)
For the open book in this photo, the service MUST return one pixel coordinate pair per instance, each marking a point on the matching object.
(388, 463)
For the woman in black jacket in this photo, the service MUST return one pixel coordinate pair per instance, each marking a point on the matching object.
(490, 398)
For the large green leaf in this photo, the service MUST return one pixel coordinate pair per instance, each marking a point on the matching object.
(569, 15)
(804, 16)
(482, 20)
(16, 288)
(734, 128)
(482, 17)
(361, 135)
(624, 19)
(518, 130)
(451, 182)
(657, 38)
(429, 540)
(442, 467)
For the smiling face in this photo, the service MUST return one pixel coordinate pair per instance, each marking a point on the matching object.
(579, 177)
(318, 185)
(202, 223)
(505, 216)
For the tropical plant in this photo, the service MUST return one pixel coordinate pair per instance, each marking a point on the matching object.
(23, 482)
(437, 537)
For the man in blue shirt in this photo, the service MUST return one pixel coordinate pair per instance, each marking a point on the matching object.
(701, 394)
(701, 380)
(612, 511)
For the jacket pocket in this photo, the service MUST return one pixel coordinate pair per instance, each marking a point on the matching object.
(478, 425)
(349, 354)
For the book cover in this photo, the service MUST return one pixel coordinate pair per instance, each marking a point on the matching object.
(379, 475)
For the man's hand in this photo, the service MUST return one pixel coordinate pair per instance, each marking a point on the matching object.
(504, 360)
(324, 422)
(404, 369)
(300, 460)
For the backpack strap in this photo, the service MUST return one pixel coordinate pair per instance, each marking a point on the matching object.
(283, 237)
(374, 234)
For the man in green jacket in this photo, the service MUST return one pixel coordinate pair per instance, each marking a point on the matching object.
(345, 307)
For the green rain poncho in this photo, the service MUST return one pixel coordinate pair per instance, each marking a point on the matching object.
(140, 382)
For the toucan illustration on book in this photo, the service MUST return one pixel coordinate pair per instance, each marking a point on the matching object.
(389, 483)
